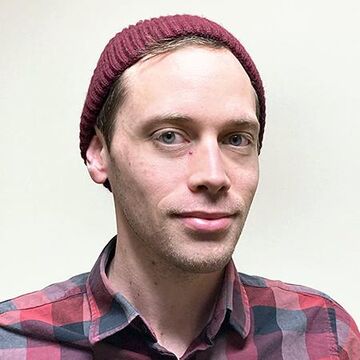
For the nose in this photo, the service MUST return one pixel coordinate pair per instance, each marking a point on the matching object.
(207, 170)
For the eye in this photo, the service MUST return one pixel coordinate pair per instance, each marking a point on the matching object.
(170, 138)
(237, 140)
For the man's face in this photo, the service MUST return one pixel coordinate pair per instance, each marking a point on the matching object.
(183, 163)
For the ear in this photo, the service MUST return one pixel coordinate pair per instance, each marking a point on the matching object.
(96, 158)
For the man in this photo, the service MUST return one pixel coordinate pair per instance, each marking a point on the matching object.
(173, 124)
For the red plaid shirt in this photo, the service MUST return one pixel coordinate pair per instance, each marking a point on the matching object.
(255, 318)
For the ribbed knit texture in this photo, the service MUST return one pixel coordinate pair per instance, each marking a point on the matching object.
(127, 47)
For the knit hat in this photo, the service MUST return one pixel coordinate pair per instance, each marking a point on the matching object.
(127, 47)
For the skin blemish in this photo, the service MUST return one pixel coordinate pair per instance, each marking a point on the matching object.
(190, 152)
(153, 262)
(155, 283)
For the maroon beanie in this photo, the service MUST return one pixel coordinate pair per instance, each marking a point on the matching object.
(127, 47)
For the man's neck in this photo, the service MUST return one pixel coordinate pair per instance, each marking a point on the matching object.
(176, 305)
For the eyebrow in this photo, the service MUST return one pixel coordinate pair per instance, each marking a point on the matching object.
(245, 121)
(171, 117)
(178, 118)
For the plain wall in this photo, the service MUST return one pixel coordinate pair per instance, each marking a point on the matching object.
(304, 224)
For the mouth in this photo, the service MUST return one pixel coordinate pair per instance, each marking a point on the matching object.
(206, 222)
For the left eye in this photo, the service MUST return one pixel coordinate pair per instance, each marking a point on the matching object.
(170, 137)
(237, 140)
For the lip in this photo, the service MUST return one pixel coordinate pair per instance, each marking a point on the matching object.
(206, 222)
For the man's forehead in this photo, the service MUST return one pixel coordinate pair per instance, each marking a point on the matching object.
(189, 52)
(186, 76)
(188, 61)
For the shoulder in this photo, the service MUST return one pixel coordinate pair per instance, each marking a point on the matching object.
(50, 294)
(37, 312)
(261, 284)
(305, 308)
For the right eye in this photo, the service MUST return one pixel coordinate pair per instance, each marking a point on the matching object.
(170, 137)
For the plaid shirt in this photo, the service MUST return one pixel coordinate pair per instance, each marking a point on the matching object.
(254, 318)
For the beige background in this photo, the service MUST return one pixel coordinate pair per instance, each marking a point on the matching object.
(304, 224)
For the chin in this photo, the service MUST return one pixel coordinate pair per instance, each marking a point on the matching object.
(202, 264)
(203, 267)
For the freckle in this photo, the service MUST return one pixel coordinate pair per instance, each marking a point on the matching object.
(138, 294)
(153, 262)
(155, 283)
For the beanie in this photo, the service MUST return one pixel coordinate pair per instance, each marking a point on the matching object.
(128, 46)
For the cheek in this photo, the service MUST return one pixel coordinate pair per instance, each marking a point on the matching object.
(247, 180)
(161, 169)
(148, 180)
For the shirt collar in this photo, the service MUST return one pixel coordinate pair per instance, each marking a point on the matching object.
(237, 301)
(110, 312)
(232, 305)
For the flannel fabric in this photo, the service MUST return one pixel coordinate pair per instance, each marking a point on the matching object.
(254, 318)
